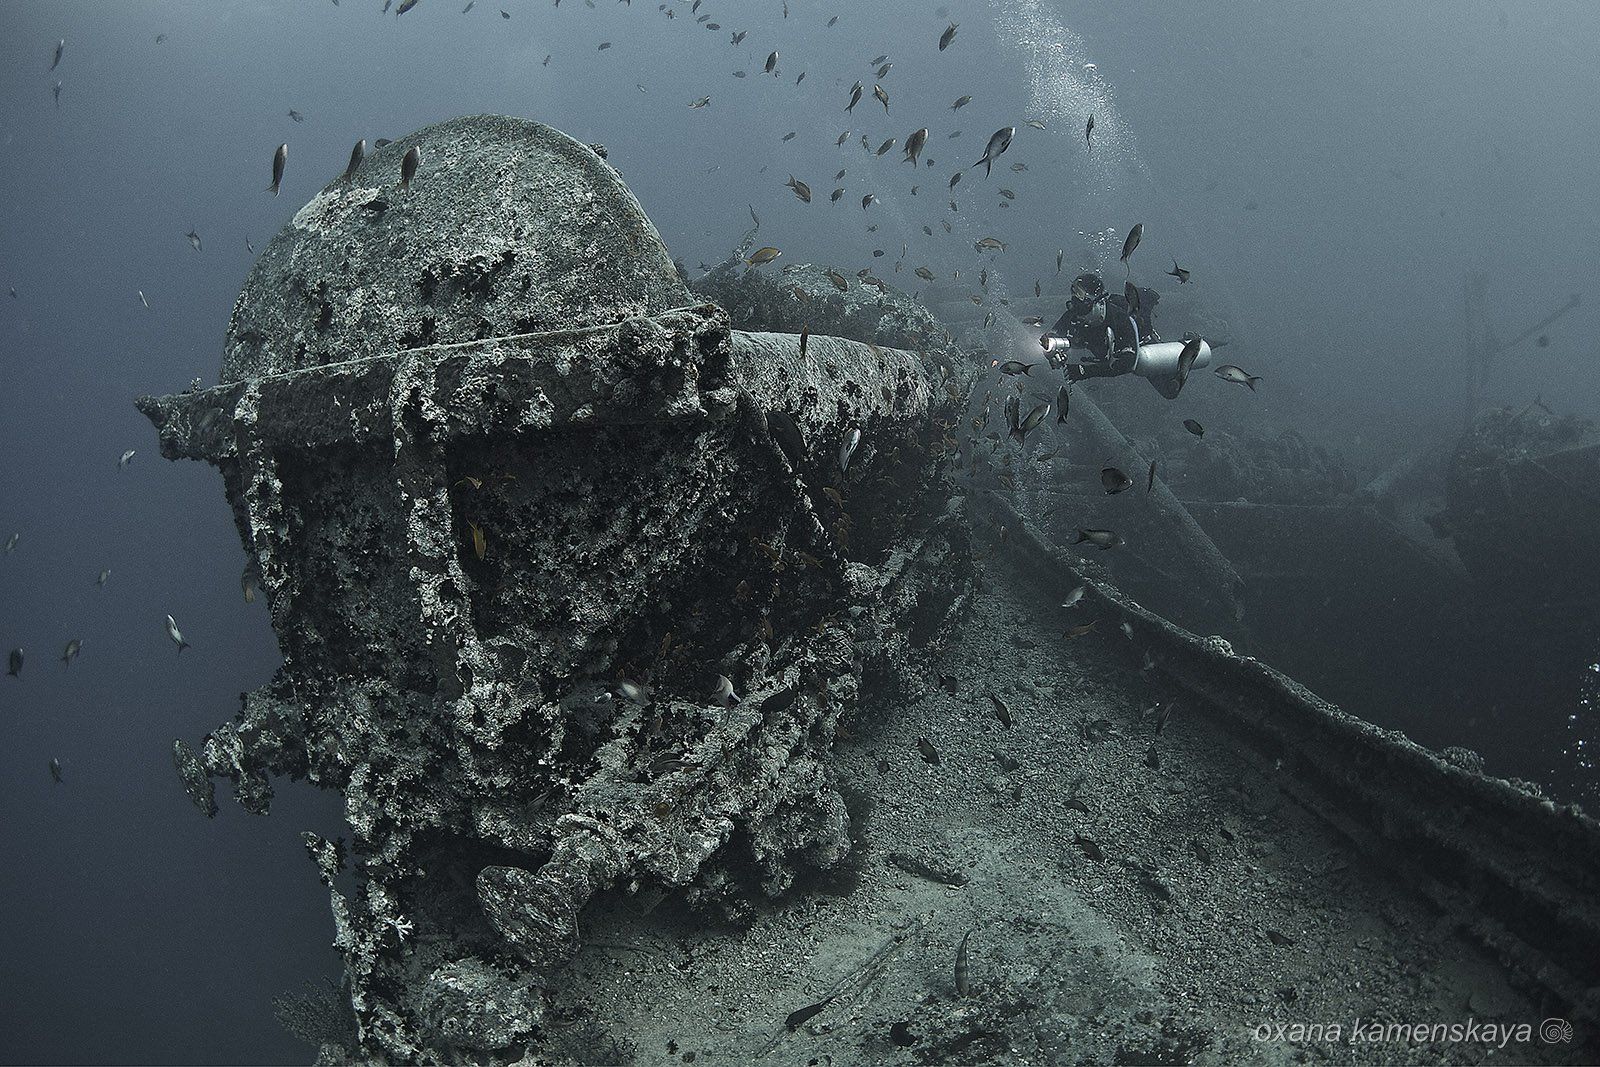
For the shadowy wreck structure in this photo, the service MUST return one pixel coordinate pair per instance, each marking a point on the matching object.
(573, 582)
(597, 600)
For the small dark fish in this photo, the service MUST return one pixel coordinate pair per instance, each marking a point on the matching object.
(999, 141)
(865, 200)
(881, 97)
(944, 42)
(56, 92)
(55, 769)
(961, 102)
(1013, 367)
(955, 179)
(1238, 376)
(855, 98)
(1030, 423)
(280, 159)
(1194, 427)
(405, 5)
(885, 146)
(1001, 711)
(61, 46)
(788, 136)
(929, 753)
(772, 65)
(1063, 398)
(357, 154)
(924, 273)
(1101, 539)
(1079, 631)
(1130, 296)
(1279, 939)
(1135, 235)
(839, 281)
(805, 339)
(1114, 481)
(194, 241)
(801, 189)
(834, 21)
(702, 102)
(382, 142)
(409, 164)
(1088, 130)
(1090, 849)
(296, 116)
(1186, 357)
(1150, 486)
(1178, 273)
(73, 648)
(804, 1015)
(835, 196)
(14, 663)
(847, 448)
(882, 71)
(963, 982)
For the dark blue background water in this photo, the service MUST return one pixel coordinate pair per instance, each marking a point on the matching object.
(1388, 149)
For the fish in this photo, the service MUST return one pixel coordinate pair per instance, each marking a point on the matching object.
(999, 141)
(924, 273)
(1088, 131)
(800, 1016)
(1030, 423)
(1178, 273)
(880, 59)
(1135, 235)
(247, 586)
(1194, 427)
(865, 200)
(881, 97)
(947, 36)
(61, 46)
(468, 8)
(788, 136)
(11, 542)
(838, 280)
(479, 544)
(405, 5)
(14, 663)
(357, 154)
(805, 339)
(1079, 631)
(1150, 486)
(126, 458)
(927, 751)
(1238, 376)
(1114, 481)
(248, 247)
(194, 241)
(885, 146)
(961, 102)
(1012, 367)
(963, 982)
(142, 300)
(176, 635)
(409, 164)
(855, 98)
(1037, 124)
(280, 159)
(914, 145)
(1186, 357)
(801, 189)
(1074, 597)
(601, 48)
(955, 179)
(1019, 167)
(71, 652)
(883, 71)
(55, 769)
(56, 92)
(1002, 713)
(1059, 253)
(702, 102)
(722, 692)
(1101, 539)
(989, 244)
(772, 65)
(738, 37)
(847, 448)
(100, 582)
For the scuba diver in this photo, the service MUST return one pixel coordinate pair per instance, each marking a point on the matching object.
(1114, 334)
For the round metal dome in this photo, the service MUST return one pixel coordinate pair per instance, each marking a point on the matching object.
(509, 226)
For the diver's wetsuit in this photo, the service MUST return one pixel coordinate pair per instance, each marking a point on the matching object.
(1084, 325)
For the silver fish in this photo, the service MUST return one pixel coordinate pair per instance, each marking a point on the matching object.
(1134, 236)
(176, 635)
(194, 241)
(914, 145)
(1075, 596)
(961, 102)
(280, 159)
(855, 97)
(61, 46)
(847, 448)
(71, 653)
(125, 459)
(55, 769)
(357, 154)
(722, 693)
(1238, 376)
(142, 300)
(963, 982)
(944, 42)
(105, 576)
